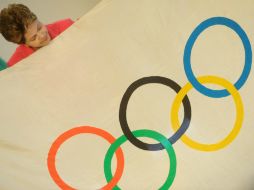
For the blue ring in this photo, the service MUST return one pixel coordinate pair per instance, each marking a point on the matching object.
(188, 48)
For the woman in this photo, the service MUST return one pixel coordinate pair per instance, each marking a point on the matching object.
(21, 26)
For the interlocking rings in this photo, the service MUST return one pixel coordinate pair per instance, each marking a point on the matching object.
(239, 114)
(181, 96)
(123, 108)
(188, 48)
(143, 133)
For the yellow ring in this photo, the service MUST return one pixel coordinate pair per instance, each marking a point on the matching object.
(239, 114)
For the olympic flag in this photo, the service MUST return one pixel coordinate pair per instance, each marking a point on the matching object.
(135, 95)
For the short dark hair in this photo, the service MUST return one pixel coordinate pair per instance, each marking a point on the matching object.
(14, 21)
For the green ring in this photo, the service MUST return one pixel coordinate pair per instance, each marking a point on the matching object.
(143, 133)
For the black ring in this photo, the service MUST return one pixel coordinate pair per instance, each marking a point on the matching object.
(123, 108)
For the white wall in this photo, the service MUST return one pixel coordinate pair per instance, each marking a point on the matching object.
(47, 11)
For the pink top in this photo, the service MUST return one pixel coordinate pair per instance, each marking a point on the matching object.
(54, 30)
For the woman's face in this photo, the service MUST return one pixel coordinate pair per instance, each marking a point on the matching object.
(37, 35)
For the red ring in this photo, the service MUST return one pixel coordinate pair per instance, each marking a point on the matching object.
(68, 134)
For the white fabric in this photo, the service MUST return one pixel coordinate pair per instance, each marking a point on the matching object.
(80, 78)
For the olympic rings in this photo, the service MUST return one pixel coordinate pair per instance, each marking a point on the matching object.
(123, 108)
(78, 130)
(143, 133)
(188, 48)
(239, 114)
(180, 130)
